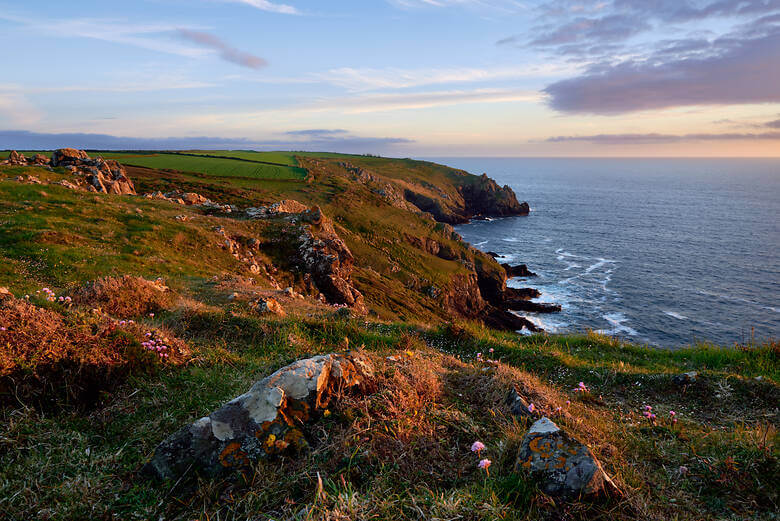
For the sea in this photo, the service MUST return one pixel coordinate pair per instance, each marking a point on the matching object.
(665, 252)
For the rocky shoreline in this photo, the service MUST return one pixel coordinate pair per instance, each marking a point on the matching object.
(324, 258)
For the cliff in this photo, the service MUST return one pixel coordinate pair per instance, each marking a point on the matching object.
(301, 341)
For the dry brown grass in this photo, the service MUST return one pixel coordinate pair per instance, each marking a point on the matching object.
(49, 357)
(125, 296)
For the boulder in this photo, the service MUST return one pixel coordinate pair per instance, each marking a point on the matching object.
(270, 305)
(67, 156)
(68, 184)
(288, 206)
(267, 420)
(563, 466)
(685, 378)
(15, 158)
(518, 406)
(38, 159)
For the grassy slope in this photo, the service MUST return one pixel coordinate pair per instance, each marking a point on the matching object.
(72, 464)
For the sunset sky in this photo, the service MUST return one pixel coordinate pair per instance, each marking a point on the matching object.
(395, 77)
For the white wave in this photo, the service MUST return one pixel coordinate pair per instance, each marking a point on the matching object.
(481, 243)
(675, 315)
(506, 257)
(571, 266)
(776, 310)
(510, 239)
(617, 321)
(600, 262)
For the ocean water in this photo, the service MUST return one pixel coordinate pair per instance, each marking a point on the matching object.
(660, 251)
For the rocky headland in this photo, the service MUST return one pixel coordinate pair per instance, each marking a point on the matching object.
(320, 343)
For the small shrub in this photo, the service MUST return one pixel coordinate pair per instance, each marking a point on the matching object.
(125, 296)
(48, 358)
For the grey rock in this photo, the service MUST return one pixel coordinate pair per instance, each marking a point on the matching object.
(563, 466)
(685, 378)
(265, 421)
(518, 406)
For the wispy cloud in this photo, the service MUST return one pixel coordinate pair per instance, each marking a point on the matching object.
(495, 5)
(226, 52)
(381, 102)
(360, 79)
(654, 138)
(265, 5)
(153, 36)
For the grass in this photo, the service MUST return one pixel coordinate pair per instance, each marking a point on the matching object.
(88, 408)
(217, 167)
(284, 158)
(402, 451)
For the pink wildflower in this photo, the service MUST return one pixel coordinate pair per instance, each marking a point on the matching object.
(491, 350)
(531, 408)
(672, 414)
(3, 329)
(477, 447)
(484, 464)
(151, 314)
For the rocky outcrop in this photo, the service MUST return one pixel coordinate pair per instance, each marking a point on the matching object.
(499, 318)
(100, 175)
(563, 466)
(380, 186)
(15, 158)
(520, 270)
(323, 254)
(533, 307)
(68, 156)
(512, 294)
(484, 197)
(320, 252)
(269, 419)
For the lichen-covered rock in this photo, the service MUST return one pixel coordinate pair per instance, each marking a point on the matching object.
(564, 466)
(265, 421)
(685, 378)
(269, 305)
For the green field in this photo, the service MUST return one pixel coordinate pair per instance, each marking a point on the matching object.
(284, 158)
(207, 165)
(248, 164)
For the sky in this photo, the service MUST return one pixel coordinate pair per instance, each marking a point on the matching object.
(404, 78)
